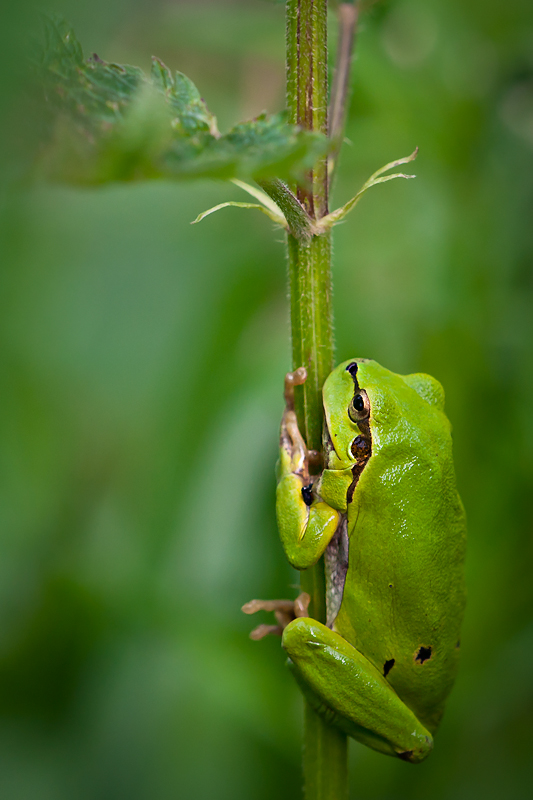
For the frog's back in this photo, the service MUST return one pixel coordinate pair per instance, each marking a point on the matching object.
(404, 595)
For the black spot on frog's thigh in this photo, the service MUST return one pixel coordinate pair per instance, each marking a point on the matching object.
(387, 666)
(307, 494)
(458, 645)
(423, 654)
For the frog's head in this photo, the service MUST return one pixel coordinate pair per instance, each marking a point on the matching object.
(367, 407)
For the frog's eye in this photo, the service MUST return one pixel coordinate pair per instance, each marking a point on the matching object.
(359, 408)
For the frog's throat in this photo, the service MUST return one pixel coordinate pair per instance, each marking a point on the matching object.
(335, 569)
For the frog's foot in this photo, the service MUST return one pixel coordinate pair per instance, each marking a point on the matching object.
(293, 379)
(285, 612)
(296, 459)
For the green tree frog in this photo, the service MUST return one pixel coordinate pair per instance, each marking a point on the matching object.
(386, 515)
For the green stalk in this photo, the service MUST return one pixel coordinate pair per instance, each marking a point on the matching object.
(325, 748)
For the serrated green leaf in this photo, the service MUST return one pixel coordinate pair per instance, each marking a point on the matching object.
(183, 98)
(94, 93)
(117, 124)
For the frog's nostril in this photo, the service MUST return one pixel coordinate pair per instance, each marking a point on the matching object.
(352, 369)
(387, 666)
(424, 654)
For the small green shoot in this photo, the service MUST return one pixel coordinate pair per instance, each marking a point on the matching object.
(338, 215)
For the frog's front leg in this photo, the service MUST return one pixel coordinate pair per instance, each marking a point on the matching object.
(306, 524)
(349, 692)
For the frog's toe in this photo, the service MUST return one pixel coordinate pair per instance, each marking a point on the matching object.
(265, 630)
(301, 605)
(286, 606)
(418, 754)
(284, 610)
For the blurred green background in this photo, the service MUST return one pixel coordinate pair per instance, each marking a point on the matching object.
(142, 368)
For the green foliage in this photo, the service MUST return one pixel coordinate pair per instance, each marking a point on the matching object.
(117, 124)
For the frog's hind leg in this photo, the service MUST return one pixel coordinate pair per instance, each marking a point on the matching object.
(349, 692)
(285, 612)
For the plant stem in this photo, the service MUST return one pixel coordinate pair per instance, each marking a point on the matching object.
(311, 327)
(324, 760)
(307, 89)
(348, 16)
(325, 748)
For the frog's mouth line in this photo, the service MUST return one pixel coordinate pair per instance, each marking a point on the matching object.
(362, 459)
(361, 449)
(361, 446)
(328, 445)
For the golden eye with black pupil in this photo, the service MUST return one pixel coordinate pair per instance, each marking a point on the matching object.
(359, 408)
